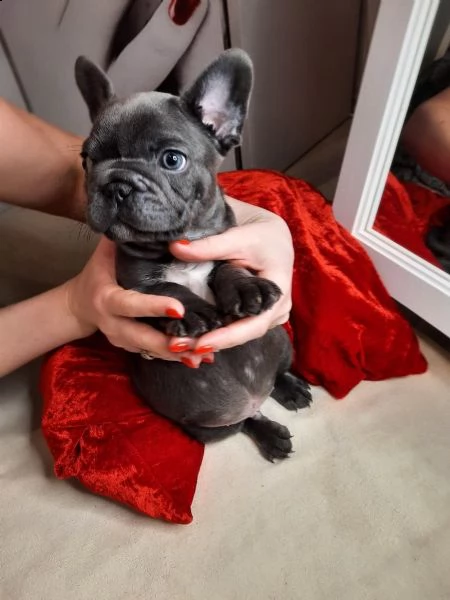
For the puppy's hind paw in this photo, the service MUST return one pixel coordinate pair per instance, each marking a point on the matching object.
(292, 392)
(272, 439)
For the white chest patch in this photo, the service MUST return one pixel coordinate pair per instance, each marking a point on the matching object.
(194, 276)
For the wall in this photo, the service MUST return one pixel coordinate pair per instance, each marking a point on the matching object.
(9, 90)
(304, 52)
(368, 16)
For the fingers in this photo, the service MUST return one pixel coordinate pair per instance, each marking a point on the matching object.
(225, 246)
(137, 337)
(129, 303)
(184, 348)
(236, 334)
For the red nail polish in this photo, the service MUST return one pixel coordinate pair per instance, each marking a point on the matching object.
(189, 363)
(184, 242)
(174, 314)
(181, 12)
(208, 360)
(204, 350)
(179, 347)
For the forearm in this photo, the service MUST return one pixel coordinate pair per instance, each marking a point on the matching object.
(426, 136)
(33, 327)
(40, 165)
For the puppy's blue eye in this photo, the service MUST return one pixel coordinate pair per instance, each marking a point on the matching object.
(173, 160)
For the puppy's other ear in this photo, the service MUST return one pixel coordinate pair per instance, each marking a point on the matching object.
(220, 96)
(94, 85)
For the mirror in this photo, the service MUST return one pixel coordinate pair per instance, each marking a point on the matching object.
(371, 200)
(414, 210)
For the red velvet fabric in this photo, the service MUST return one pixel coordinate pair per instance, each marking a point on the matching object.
(101, 433)
(344, 327)
(407, 212)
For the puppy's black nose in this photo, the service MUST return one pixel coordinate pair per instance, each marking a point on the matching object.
(117, 191)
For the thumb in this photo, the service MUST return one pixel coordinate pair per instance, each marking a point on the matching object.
(225, 246)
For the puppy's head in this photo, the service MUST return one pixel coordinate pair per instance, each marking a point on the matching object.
(151, 159)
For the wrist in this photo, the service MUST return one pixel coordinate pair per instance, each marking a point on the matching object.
(81, 326)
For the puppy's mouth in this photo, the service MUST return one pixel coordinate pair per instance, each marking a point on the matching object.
(137, 221)
(127, 234)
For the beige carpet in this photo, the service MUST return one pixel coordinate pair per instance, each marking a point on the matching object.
(361, 511)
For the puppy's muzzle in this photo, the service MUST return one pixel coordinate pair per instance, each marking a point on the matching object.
(129, 204)
(116, 191)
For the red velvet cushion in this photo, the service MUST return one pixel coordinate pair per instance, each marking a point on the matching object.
(100, 432)
(344, 326)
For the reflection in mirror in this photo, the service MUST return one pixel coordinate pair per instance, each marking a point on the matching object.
(415, 208)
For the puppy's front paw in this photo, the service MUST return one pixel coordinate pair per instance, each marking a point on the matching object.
(249, 296)
(196, 321)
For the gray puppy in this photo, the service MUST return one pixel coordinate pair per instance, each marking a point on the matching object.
(151, 162)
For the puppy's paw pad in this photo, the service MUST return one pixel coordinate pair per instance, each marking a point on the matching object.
(249, 296)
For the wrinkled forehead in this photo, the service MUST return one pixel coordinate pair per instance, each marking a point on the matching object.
(141, 124)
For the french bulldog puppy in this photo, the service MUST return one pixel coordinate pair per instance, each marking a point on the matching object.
(151, 162)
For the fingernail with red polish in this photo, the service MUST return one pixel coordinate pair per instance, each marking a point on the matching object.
(181, 12)
(208, 360)
(204, 350)
(179, 347)
(184, 242)
(173, 313)
(189, 363)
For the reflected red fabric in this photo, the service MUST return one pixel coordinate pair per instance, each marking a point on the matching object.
(344, 327)
(406, 214)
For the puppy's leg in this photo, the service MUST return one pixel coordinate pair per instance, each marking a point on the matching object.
(272, 439)
(200, 316)
(290, 391)
(212, 434)
(240, 294)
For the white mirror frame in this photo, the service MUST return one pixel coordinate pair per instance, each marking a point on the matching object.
(398, 45)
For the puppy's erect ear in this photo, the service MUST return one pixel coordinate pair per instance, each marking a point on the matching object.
(94, 85)
(220, 96)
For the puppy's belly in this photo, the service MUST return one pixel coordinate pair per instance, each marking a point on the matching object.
(247, 411)
(252, 378)
(194, 276)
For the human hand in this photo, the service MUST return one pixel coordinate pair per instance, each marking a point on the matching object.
(98, 302)
(262, 242)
